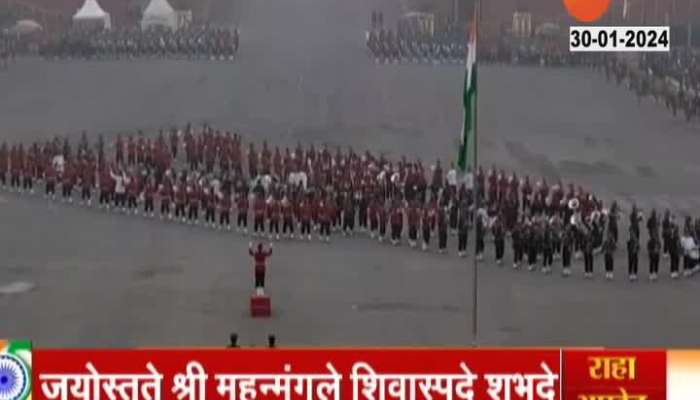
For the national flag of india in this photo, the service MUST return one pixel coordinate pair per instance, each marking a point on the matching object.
(15, 370)
(467, 150)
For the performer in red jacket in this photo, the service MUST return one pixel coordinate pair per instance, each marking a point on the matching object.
(260, 255)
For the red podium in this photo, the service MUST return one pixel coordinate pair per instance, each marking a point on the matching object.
(260, 306)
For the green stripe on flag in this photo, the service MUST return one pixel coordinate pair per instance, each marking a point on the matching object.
(468, 135)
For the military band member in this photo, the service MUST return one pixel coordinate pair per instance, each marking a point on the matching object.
(259, 209)
(225, 205)
(556, 227)
(480, 233)
(166, 196)
(209, 206)
(325, 215)
(462, 232)
(516, 238)
(132, 193)
(413, 218)
(588, 243)
(348, 216)
(305, 218)
(273, 217)
(373, 215)
(287, 217)
(567, 246)
(383, 217)
(50, 183)
(533, 246)
(427, 224)
(613, 216)
(442, 227)
(499, 239)
(180, 200)
(632, 254)
(149, 192)
(396, 220)
(654, 250)
(666, 232)
(675, 250)
(547, 249)
(652, 223)
(609, 254)
(242, 205)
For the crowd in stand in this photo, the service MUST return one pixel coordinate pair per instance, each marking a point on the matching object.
(212, 178)
(191, 43)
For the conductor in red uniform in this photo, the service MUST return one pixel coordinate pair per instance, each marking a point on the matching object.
(260, 255)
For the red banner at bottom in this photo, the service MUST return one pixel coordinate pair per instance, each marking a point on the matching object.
(357, 374)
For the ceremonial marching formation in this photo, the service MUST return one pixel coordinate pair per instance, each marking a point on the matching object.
(408, 44)
(670, 79)
(191, 43)
(212, 178)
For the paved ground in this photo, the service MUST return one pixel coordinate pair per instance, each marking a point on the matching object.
(109, 280)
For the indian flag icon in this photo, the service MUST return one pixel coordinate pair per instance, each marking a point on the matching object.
(15, 370)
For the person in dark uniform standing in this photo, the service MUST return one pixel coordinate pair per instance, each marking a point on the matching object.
(442, 229)
(480, 232)
(609, 254)
(588, 254)
(675, 250)
(612, 221)
(462, 231)
(632, 254)
(532, 247)
(516, 237)
(547, 249)
(567, 245)
(499, 239)
(666, 232)
(634, 222)
(654, 250)
(396, 219)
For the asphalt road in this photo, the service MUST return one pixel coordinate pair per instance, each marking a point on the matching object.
(303, 75)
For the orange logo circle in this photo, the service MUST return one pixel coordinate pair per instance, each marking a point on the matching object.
(587, 10)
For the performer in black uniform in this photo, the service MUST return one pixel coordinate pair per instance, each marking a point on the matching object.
(632, 254)
(499, 240)
(588, 254)
(532, 247)
(675, 250)
(567, 245)
(609, 252)
(480, 232)
(547, 249)
(654, 250)
(516, 237)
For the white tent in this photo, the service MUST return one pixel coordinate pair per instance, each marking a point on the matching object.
(91, 12)
(159, 13)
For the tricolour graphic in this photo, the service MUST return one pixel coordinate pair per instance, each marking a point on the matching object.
(15, 370)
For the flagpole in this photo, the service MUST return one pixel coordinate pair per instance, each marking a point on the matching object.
(477, 190)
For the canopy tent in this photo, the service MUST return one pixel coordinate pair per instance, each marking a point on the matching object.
(159, 13)
(91, 12)
(25, 26)
(548, 29)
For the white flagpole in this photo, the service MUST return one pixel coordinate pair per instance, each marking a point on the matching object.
(477, 189)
